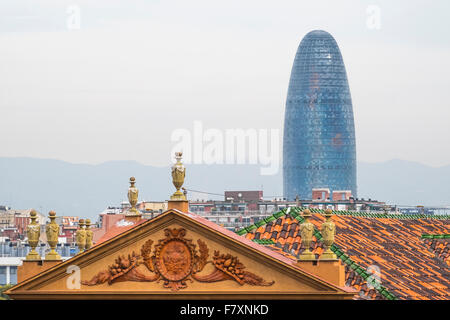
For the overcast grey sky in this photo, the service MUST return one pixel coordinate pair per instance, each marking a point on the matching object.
(116, 88)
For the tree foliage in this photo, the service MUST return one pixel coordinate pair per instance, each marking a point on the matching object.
(2, 289)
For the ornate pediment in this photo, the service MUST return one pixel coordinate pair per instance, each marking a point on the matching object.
(175, 261)
(177, 254)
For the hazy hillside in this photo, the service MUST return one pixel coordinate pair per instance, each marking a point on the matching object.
(85, 190)
(404, 183)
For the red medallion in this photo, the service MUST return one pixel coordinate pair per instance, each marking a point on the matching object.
(175, 260)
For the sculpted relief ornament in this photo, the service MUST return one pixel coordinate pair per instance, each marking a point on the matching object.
(174, 261)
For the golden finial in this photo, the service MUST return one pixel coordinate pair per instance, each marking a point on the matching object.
(328, 230)
(33, 234)
(178, 174)
(133, 193)
(306, 232)
(52, 232)
(81, 236)
(89, 234)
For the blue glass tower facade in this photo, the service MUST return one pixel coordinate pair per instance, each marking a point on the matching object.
(319, 133)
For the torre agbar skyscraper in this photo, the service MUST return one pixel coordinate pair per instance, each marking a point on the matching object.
(319, 133)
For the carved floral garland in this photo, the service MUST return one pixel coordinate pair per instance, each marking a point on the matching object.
(176, 260)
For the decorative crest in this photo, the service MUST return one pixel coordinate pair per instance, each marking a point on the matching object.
(52, 232)
(133, 194)
(328, 230)
(89, 234)
(178, 174)
(306, 232)
(33, 234)
(81, 236)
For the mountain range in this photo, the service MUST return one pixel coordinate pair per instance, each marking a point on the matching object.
(85, 190)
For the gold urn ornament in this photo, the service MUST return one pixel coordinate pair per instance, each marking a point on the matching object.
(133, 194)
(178, 174)
(89, 234)
(52, 232)
(306, 232)
(81, 236)
(33, 234)
(328, 231)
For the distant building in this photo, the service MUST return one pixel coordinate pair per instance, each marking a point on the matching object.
(416, 210)
(13, 222)
(152, 208)
(319, 134)
(112, 216)
(68, 227)
(106, 222)
(243, 208)
(247, 196)
(8, 270)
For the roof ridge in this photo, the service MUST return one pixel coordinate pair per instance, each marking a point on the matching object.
(382, 215)
(286, 211)
(264, 241)
(435, 236)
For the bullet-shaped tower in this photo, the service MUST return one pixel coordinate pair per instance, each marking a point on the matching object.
(319, 133)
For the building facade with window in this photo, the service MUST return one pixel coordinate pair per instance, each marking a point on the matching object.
(8, 270)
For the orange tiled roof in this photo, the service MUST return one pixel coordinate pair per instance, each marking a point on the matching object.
(119, 227)
(440, 247)
(390, 247)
